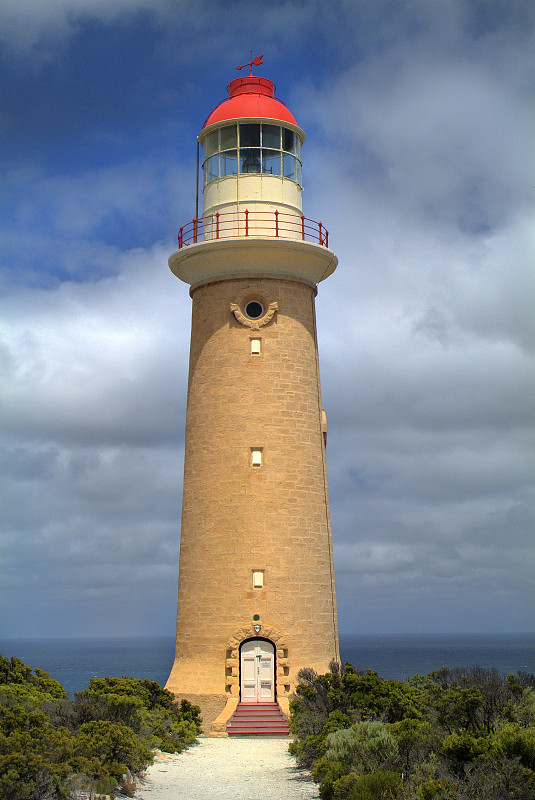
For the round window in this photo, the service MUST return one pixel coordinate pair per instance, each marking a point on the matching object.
(254, 309)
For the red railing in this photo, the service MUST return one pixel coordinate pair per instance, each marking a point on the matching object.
(233, 224)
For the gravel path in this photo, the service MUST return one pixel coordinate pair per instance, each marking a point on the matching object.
(219, 769)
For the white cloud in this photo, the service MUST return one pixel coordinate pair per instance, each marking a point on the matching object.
(90, 361)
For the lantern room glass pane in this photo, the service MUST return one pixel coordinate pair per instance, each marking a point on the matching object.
(229, 137)
(298, 173)
(271, 136)
(271, 162)
(211, 170)
(288, 166)
(229, 163)
(210, 144)
(288, 140)
(250, 135)
(249, 160)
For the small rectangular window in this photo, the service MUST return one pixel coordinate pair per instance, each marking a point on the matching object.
(258, 579)
(256, 457)
(256, 346)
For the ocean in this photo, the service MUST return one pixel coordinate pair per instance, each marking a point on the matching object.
(74, 661)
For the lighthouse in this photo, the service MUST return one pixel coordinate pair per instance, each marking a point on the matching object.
(256, 591)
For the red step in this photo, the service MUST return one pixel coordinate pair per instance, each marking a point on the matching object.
(258, 718)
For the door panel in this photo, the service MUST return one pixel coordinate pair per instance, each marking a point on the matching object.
(249, 672)
(266, 668)
(257, 669)
(266, 691)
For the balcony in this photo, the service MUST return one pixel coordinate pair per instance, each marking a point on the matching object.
(268, 224)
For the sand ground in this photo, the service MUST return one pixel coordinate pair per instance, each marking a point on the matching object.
(243, 768)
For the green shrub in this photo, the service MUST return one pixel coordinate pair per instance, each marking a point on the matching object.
(380, 785)
(34, 755)
(22, 681)
(144, 706)
(415, 739)
(52, 747)
(437, 789)
(308, 750)
(462, 747)
(326, 773)
(114, 748)
(461, 734)
(517, 743)
(365, 747)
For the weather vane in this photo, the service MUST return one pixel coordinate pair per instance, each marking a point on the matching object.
(254, 61)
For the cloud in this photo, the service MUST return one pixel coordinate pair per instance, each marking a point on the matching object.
(417, 160)
(95, 409)
(40, 26)
(77, 225)
(185, 31)
(90, 361)
(427, 325)
(437, 121)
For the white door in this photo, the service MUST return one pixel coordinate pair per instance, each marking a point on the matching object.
(257, 672)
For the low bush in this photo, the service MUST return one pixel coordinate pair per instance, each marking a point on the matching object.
(52, 746)
(463, 734)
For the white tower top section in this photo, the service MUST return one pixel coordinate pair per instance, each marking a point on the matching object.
(252, 220)
(252, 153)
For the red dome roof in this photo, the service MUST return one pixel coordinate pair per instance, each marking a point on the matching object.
(250, 97)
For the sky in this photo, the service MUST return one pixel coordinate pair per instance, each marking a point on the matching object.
(419, 159)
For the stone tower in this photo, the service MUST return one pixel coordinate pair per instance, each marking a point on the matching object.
(256, 597)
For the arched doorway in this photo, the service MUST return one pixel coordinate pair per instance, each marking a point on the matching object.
(257, 671)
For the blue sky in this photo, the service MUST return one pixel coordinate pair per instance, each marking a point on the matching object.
(419, 119)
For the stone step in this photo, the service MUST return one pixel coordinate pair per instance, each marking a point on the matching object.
(243, 723)
(240, 724)
(263, 715)
(256, 719)
(252, 730)
(258, 708)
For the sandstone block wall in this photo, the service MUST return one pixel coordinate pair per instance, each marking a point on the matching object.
(238, 518)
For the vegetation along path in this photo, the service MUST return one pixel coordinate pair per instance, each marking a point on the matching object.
(216, 769)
